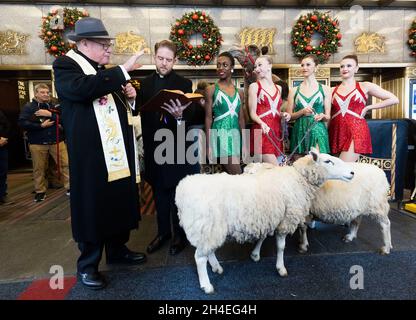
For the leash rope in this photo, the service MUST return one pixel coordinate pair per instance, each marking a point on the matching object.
(286, 159)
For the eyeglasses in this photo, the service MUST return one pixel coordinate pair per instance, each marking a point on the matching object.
(105, 46)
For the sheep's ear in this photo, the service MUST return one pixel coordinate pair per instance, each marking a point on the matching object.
(314, 153)
(314, 150)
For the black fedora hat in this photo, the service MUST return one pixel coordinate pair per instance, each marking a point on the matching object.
(89, 28)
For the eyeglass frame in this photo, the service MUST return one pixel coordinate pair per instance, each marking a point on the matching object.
(104, 46)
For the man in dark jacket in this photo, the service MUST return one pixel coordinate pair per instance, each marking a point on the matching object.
(164, 177)
(40, 121)
(4, 158)
(96, 113)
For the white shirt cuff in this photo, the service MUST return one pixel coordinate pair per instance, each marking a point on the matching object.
(126, 74)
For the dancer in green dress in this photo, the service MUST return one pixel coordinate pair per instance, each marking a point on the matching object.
(224, 117)
(310, 106)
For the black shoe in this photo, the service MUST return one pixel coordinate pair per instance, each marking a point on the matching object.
(40, 197)
(6, 201)
(94, 280)
(55, 186)
(157, 243)
(130, 257)
(177, 245)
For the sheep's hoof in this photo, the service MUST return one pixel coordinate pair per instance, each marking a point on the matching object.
(348, 238)
(218, 269)
(255, 257)
(209, 289)
(385, 251)
(282, 272)
(303, 249)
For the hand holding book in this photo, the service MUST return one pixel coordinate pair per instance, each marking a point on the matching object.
(175, 108)
(166, 96)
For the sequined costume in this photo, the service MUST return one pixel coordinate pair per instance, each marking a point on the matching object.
(318, 135)
(225, 134)
(268, 110)
(347, 125)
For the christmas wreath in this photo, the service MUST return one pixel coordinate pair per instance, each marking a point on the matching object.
(192, 23)
(316, 22)
(412, 39)
(53, 35)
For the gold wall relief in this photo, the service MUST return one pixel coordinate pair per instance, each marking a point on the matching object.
(129, 43)
(411, 72)
(21, 88)
(296, 76)
(12, 42)
(369, 43)
(320, 73)
(261, 37)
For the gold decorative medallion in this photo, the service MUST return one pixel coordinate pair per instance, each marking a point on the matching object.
(12, 42)
(129, 43)
(261, 37)
(370, 43)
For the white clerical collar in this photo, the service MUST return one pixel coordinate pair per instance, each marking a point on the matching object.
(160, 75)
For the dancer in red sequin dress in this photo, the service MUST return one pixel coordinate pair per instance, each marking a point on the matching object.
(349, 134)
(264, 100)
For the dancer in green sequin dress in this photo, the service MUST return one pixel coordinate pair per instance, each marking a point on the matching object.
(224, 116)
(310, 109)
(225, 110)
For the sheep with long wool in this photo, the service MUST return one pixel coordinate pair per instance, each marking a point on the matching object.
(339, 202)
(346, 203)
(247, 207)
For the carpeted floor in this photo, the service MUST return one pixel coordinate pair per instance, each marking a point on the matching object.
(326, 276)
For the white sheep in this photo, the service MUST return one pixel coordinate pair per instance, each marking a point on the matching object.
(247, 207)
(338, 202)
(346, 203)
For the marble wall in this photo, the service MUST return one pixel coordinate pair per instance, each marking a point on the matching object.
(154, 25)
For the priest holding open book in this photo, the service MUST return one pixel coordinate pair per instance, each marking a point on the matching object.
(175, 115)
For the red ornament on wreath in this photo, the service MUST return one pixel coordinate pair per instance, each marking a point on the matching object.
(54, 38)
(196, 22)
(312, 23)
(412, 39)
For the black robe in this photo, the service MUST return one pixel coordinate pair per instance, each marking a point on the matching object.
(99, 208)
(164, 175)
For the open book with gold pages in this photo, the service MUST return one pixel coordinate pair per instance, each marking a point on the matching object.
(165, 95)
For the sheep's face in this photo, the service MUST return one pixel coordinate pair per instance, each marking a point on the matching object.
(336, 168)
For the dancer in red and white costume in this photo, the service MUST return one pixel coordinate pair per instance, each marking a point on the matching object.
(264, 102)
(349, 135)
